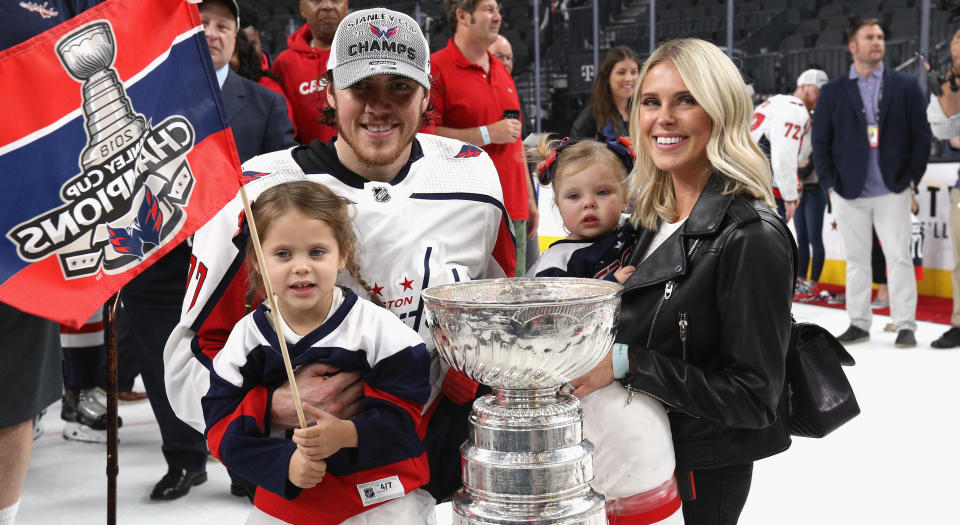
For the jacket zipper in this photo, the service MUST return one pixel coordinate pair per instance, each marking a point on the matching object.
(667, 293)
(683, 335)
(631, 390)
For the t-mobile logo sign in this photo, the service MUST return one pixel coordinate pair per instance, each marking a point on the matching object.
(586, 72)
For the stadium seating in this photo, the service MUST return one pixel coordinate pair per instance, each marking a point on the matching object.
(773, 39)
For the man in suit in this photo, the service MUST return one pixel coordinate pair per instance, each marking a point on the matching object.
(150, 305)
(257, 115)
(871, 141)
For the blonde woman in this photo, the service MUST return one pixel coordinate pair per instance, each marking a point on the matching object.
(706, 315)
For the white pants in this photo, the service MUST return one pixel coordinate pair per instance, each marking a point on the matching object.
(889, 215)
(633, 448)
(955, 241)
(416, 508)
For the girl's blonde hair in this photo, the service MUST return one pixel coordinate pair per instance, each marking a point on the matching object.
(315, 201)
(576, 157)
(716, 84)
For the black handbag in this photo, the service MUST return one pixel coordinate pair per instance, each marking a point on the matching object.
(819, 394)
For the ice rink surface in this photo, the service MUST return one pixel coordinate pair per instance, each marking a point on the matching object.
(895, 464)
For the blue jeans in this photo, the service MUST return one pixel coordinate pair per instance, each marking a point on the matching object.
(808, 220)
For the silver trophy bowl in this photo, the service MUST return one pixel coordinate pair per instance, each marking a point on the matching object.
(526, 460)
(527, 334)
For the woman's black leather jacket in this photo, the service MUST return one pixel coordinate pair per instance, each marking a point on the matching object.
(707, 321)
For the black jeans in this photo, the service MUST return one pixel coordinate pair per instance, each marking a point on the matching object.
(714, 496)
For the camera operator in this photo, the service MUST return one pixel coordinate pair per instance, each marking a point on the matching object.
(944, 111)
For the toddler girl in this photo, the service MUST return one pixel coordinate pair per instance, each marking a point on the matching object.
(589, 186)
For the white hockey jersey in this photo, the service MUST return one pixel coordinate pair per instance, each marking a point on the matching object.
(778, 127)
(440, 220)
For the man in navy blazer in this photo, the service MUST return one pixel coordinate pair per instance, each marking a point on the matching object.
(871, 141)
(257, 116)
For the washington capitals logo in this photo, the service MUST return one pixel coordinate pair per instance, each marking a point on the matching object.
(250, 176)
(468, 152)
(384, 33)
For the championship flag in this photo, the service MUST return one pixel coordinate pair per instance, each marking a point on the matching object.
(113, 150)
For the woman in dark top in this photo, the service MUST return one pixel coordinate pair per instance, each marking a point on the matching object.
(609, 106)
(705, 318)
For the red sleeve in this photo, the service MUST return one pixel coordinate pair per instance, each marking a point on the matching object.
(216, 326)
(437, 90)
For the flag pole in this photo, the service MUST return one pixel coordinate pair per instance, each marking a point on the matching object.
(268, 290)
(113, 467)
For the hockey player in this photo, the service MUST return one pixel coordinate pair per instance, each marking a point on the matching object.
(429, 212)
(778, 127)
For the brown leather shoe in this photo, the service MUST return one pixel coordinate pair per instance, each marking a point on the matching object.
(131, 397)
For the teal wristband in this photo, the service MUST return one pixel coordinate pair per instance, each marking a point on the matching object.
(485, 134)
(621, 361)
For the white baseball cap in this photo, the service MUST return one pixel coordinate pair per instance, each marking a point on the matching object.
(378, 41)
(813, 77)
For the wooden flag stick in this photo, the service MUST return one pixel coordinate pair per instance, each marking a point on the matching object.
(113, 465)
(255, 238)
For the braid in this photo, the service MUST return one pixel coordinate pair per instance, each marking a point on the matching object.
(353, 268)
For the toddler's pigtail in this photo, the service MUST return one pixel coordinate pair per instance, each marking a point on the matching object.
(353, 268)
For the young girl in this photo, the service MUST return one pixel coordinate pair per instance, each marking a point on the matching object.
(633, 450)
(590, 190)
(336, 471)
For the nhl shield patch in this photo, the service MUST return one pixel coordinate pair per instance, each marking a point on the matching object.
(381, 194)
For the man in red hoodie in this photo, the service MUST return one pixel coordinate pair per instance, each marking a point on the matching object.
(301, 65)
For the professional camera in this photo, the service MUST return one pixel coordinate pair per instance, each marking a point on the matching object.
(950, 6)
(935, 79)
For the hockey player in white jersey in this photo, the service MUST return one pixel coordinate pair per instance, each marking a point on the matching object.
(429, 211)
(778, 127)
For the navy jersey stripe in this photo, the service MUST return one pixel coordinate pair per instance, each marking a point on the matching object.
(463, 196)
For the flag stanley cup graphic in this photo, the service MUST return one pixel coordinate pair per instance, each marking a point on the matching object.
(134, 180)
(88, 54)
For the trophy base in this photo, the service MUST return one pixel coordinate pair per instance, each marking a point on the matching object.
(474, 507)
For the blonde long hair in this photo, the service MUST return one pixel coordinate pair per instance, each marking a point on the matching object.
(716, 84)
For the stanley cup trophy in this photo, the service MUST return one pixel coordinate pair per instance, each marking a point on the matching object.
(526, 460)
